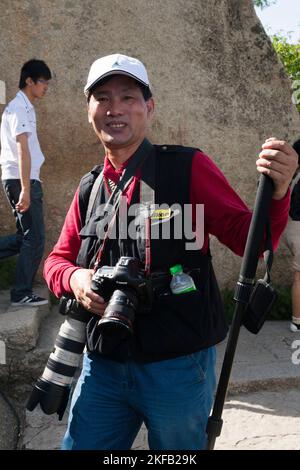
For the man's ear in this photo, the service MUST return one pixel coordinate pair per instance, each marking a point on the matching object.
(150, 107)
(88, 112)
(29, 81)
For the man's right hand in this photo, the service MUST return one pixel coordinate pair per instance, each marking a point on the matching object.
(80, 283)
(23, 203)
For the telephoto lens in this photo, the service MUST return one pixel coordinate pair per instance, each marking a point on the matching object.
(52, 389)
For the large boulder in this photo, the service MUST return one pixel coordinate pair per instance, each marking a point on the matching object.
(217, 82)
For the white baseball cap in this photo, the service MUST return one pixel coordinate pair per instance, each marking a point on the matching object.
(116, 64)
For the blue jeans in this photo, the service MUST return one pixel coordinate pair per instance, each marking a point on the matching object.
(111, 401)
(29, 239)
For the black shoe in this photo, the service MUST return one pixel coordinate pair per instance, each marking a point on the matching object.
(30, 300)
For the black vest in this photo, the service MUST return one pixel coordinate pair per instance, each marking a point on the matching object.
(177, 324)
(295, 202)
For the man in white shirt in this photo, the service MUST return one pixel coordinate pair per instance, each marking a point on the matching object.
(21, 158)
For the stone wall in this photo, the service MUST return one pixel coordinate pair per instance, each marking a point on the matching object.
(216, 79)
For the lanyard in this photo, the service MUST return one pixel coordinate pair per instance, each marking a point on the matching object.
(112, 205)
(147, 201)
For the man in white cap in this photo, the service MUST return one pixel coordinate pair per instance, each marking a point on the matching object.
(149, 359)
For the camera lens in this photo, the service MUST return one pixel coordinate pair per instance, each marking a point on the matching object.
(52, 389)
(119, 315)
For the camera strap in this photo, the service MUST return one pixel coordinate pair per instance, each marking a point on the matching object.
(93, 195)
(147, 204)
(295, 181)
(263, 295)
(112, 205)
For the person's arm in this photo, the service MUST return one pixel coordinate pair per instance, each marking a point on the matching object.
(24, 162)
(20, 128)
(60, 270)
(225, 214)
(61, 262)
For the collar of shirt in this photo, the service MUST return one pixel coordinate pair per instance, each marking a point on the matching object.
(25, 100)
(109, 172)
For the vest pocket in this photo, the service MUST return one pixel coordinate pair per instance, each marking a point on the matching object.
(178, 324)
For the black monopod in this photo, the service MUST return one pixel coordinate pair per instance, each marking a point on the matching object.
(244, 291)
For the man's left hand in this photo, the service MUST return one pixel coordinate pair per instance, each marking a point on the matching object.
(278, 160)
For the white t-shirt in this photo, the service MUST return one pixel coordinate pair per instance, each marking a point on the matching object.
(19, 117)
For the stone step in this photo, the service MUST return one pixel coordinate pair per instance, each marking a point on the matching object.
(49, 329)
(34, 363)
(19, 335)
(263, 361)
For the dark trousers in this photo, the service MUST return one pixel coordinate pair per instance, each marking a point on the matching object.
(29, 239)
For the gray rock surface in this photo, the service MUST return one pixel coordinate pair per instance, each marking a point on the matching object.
(263, 420)
(217, 82)
(9, 425)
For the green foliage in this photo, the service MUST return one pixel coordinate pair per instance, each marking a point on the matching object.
(228, 303)
(281, 310)
(263, 3)
(289, 55)
(7, 271)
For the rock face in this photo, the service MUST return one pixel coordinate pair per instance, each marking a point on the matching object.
(216, 79)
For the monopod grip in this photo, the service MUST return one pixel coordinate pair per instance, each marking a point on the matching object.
(257, 227)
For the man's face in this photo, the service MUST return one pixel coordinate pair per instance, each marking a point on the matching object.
(118, 113)
(37, 89)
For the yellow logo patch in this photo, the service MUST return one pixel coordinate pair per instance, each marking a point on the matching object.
(161, 214)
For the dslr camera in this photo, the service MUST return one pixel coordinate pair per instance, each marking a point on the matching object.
(126, 289)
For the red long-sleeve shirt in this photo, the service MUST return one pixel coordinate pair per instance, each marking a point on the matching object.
(225, 216)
